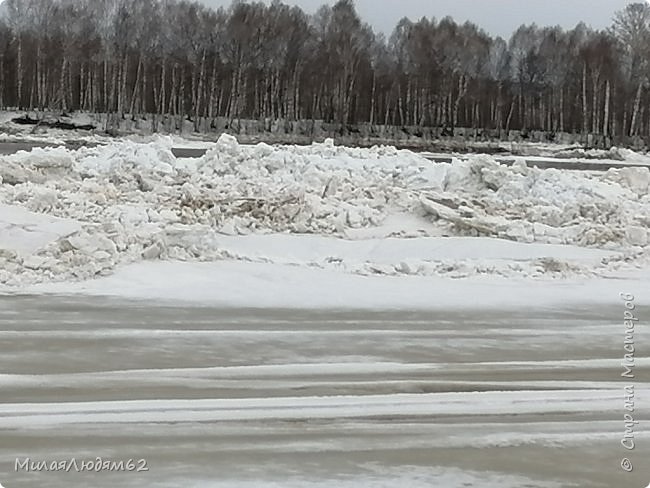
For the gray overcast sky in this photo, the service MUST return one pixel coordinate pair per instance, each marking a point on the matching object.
(497, 17)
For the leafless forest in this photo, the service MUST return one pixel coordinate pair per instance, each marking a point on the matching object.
(138, 58)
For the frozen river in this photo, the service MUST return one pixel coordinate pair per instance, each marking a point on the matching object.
(247, 398)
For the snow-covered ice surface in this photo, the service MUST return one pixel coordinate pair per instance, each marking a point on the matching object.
(364, 212)
(574, 152)
(260, 285)
(248, 398)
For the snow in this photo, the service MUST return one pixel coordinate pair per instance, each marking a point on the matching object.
(214, 410)
(242, 284)
(385, 477)
(22, 231)
(324, 227)
(380, 371)
(318, 210)
(575, 153)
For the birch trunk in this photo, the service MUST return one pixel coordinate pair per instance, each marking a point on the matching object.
(124, 70)
(635, 113)
(2, 81)
(171, 108)
(594, 106)
(199, 94)
(142, 102)
(19, 72)
(462, 91)
(163, 93)
(213, 90)
(136, 86)
(69, 88)
(561, 109)
(62, 91)
(606, 115)
(83, 83)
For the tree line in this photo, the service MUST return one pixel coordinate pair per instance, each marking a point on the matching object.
(253, 61)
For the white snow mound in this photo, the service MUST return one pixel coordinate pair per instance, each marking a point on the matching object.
(135, 201)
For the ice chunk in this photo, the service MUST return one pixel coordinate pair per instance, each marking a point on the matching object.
(637, 236)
